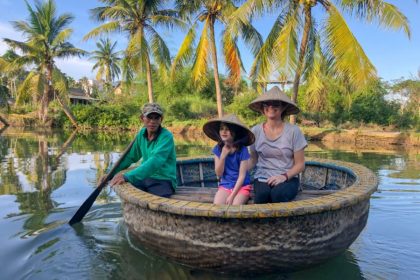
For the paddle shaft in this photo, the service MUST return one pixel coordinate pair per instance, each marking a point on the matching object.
(84, 208)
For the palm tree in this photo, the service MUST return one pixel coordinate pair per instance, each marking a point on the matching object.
(46, 39)
(10, 72)
(138, 19)
(295, 45)
(209, 12)
(107, 61)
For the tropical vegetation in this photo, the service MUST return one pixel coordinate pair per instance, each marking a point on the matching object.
(309, 46)
(47, 37)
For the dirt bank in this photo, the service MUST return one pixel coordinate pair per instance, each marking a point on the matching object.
(356, 137)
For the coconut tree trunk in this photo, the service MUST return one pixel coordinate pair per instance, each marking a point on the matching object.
(68, 112)
(149, 79)
(215, 69)
(48, 94)
(302, 52)
(4, 121)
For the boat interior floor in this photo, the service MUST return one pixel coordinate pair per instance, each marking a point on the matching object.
(206, 194)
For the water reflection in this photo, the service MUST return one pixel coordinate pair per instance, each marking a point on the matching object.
(45, 176)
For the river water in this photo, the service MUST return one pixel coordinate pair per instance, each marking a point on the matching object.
(45, 176)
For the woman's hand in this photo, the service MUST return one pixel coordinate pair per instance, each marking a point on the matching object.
(275, 180)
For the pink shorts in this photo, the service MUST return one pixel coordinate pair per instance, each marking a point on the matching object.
(245, 190)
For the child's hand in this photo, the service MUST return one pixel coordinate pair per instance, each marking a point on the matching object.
(229, 199)
(226, 150)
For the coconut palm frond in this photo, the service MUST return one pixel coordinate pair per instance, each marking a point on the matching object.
(262, 66)
(67, 50)
(22, 46)
(29, 86)
(391, 17)
(106, 28)
(160, 52)
(63, 36)
(137, 50)
(22, 26)
(232, 58)
(96, 14)
(286, 44)
(315, 82)
(60, 83)
(185, 51)
(199, 69)
(168, 21)
(251, 37)
(387, 15)
(349, 57)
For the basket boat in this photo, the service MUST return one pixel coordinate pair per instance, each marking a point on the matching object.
(328, 214)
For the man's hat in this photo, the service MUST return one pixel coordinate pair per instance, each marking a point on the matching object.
(149, 108)
(243, 134)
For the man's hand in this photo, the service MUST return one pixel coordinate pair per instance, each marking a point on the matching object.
(117, 180)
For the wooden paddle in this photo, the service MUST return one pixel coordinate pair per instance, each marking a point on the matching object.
(91, 199)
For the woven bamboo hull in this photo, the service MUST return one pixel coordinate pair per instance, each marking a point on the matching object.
(260, 245)
(256, 239)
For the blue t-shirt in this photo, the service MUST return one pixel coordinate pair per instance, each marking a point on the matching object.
(232, 164)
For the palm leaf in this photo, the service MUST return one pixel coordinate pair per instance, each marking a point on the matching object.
(108, 27)
(62, 36)
(387, 15)
(185, 51)
(349, 58)
(200, 64)
(60, 83)
(232, 58)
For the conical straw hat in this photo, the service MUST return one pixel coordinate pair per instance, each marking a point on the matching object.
(243, 134)
(274, 94)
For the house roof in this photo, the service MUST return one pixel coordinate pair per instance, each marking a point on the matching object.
(77, 93)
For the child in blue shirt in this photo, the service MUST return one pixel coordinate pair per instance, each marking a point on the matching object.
(230, 160)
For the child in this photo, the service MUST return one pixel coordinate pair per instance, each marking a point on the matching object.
(231, 159)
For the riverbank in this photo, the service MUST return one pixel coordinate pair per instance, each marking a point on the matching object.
(361, 137)
(358, 137)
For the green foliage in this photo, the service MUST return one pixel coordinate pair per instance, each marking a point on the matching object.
(104, 116)
(240, 107)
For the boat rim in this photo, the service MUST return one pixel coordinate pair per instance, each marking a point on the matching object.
(364, 185)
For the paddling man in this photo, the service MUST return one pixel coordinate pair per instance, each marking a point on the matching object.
(154, 146)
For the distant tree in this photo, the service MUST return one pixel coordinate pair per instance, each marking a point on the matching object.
(11, 73)
(138, 19)
(210, 12)
(46, 39)
(85, 84)
(107, 61)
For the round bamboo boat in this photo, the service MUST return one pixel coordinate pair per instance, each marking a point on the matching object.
(328, 214)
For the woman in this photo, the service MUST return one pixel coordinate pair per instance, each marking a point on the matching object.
(278, 151)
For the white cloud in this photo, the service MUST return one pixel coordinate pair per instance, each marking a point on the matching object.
(7, 31)
(76, 67)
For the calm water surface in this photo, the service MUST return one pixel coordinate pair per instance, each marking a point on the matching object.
(45, 177)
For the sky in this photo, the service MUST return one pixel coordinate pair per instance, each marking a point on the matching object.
(391, 52)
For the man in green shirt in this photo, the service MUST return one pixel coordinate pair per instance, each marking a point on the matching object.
(154, 146)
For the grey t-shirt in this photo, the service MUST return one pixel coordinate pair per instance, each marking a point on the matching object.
(275, 157)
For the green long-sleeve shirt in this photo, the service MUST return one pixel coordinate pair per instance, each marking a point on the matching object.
(158, 158)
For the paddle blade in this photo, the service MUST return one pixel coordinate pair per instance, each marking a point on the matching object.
(85, 206)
